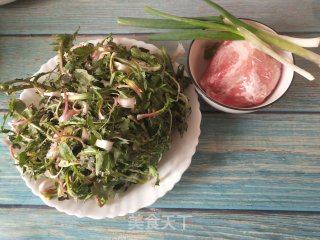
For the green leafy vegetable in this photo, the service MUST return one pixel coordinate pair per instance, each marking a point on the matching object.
(66, 153)
(104, 120)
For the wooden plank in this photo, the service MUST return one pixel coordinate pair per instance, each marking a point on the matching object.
(96, 17)
(29, 223)
(256, 161)
(303, 96)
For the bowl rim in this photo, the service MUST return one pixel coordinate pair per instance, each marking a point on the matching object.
(232, 107)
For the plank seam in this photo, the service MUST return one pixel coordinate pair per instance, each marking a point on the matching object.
(125, 33)
(255, 113)
(226, 211)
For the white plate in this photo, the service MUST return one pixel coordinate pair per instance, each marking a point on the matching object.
(174, 163)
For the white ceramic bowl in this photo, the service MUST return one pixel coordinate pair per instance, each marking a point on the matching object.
(2, 2)
(173, 164)
(197, 65)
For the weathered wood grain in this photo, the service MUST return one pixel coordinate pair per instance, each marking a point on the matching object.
(151, 224)
(23, 56)
(256, 161)
(96, 17)
(264, 161)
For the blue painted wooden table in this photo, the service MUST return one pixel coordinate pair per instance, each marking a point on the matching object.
(254, 176)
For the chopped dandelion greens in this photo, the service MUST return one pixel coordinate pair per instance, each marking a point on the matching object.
(104, 121)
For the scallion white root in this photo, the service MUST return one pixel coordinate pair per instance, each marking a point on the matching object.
(303, 42)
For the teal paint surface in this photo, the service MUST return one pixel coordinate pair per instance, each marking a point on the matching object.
(254, 176)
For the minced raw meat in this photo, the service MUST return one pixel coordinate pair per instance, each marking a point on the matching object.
(240, 75)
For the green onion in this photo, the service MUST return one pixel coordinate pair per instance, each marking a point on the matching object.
(198, 34)
(270, 38)
(227, 27)
(194, 22)
(154, 23)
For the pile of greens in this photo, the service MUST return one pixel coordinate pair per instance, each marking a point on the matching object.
(104, 121)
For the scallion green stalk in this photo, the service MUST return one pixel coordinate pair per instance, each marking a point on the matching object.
(196, 34)
(154, 23)
(194, 22)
